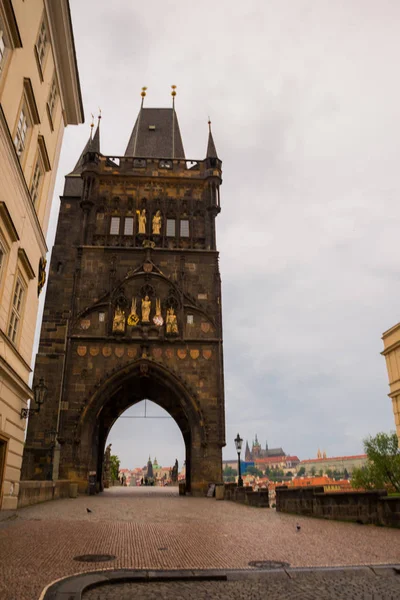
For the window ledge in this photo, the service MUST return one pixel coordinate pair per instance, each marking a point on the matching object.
(8, 222)
(23, 257)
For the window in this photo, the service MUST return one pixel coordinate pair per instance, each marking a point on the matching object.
(189, 319)
(185, 228)
(2, 47)
(114, 227)
(36, 181)
(22, 129)
(16, 310)
(41, 44)
(128, 226)
(171, 227)
(51, 102)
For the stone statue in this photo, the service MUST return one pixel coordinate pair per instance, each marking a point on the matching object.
(142, 220)
(157, 220)
(174, 472)
(146, 306)
(133, 318)
(171, 322)
(119, 320)
(157, 319)
(107, 467)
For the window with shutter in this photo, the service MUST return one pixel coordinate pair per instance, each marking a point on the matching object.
(114, 227)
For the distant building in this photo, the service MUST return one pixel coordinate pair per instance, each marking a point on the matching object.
(391, 342)
(257, 452)
(333, 463)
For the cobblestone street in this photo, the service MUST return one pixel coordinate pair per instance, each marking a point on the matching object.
(154, 528)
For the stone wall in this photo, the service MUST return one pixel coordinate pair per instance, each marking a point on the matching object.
(373, 507)
(33, 492)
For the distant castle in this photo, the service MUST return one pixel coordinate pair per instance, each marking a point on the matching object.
(257, 452)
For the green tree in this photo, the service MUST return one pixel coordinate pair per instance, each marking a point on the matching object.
(329, 472)
(301, 472)
(383, 463)
(289, 474)
(321, 472)
(313, 471)
(229, 471)
(114, 467)
(254, 471)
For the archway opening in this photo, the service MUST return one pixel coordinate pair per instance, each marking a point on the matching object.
(146, 433)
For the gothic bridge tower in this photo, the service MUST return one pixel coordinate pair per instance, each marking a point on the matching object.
(133, 305)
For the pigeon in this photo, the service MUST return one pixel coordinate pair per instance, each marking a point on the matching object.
(298, 527)
(88, 510)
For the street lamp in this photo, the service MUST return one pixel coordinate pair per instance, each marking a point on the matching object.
(39, 393)
(238, 444)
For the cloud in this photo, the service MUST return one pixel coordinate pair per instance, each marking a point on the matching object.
(304, 103)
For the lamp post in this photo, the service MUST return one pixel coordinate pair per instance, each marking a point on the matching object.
(238, 444)
(39, 393)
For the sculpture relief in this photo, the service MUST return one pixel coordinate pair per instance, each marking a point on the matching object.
(157, 219)
(133, 318)
(157, 319)
(146, 306)
(142, 220)
(171, 322)
(119, 320)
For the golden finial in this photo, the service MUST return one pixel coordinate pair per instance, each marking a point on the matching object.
(173, 93)
(99, 116)
(209, 124)
(92, 125)
(143, 93)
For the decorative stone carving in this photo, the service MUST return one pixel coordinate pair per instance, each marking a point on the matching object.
(146, 307)
(171, 322)
(133, 318)
(142, 219)
(119, 321)
(157, 319)
(157, 221)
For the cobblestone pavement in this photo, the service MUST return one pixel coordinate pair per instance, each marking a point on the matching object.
(153, 528)
(351, 585)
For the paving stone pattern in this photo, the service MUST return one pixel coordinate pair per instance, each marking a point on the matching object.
(154, 528)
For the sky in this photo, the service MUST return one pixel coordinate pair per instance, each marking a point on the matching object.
(304, 100)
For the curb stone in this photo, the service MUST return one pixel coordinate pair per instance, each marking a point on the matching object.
(73, 587)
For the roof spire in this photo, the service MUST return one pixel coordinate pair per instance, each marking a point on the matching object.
(173, 94)
(211, 149)
(92, 145)
(91, 126)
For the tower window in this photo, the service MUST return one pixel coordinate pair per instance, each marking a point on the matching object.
(51, 102)
(171, 227)
(114, 227)
(22, 130)
(128, 226)
(184, 228)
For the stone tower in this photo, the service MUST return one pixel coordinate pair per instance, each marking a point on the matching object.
(133, 305)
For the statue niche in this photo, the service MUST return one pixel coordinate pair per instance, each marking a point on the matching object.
(171, 322)
(157, 221)
(146, 307)
(119, 320)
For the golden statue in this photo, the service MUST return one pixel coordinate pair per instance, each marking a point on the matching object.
(119, 320)
(146, 306)
(142, 220)
(157, 319)
(157, 219)
(133, 318)
(171, 322)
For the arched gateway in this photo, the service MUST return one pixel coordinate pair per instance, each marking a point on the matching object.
(133, 305)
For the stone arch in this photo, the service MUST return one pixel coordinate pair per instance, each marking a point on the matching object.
(141, 379)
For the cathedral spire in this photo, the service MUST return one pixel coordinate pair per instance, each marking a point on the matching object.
(211, 149)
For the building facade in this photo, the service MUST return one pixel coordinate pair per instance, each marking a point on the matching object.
(133, 305)
(332, 463)
(391, 352)
(39, 96)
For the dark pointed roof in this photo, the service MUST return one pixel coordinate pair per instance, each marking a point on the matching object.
(153, 133)
(92, 145)
(211, 149)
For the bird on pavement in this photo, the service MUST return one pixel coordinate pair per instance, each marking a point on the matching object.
(298, 527)
(88, 510)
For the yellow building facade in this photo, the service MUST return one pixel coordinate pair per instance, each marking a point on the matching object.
(391, 352)
(39, 95)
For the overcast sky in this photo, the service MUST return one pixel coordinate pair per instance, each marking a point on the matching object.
(304, 98)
